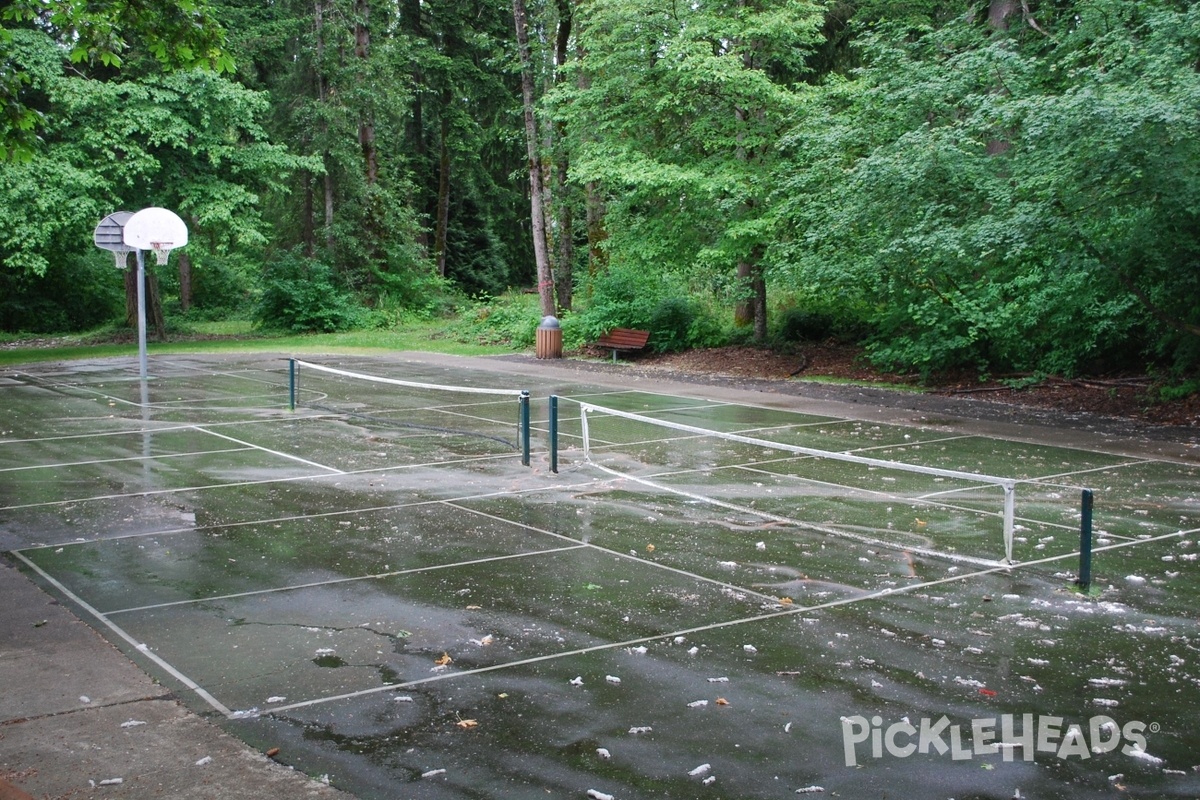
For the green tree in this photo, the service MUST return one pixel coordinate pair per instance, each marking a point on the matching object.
(1009, 196)
(679, 117)
(188, 140)
(177, 33)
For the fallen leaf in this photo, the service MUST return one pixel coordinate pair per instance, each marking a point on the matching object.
(649, 548)
(274, 751)
(786, 601)
(721, 701)
(467, 724)
(444, 660)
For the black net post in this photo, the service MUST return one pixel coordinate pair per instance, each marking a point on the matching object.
(524, 428)
(554, 433)
(291, 384)
(1085, 541)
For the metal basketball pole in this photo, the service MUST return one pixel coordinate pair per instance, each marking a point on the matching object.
(141, 310)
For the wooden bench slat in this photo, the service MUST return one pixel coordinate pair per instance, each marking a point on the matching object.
(623, 339)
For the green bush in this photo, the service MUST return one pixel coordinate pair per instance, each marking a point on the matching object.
(75, 294)
(631, 297)
(803, 325)
(510, 319)
(302, 295)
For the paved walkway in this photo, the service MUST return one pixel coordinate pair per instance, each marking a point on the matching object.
(78, 719)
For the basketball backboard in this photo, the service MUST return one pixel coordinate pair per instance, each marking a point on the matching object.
(156, 229)
(109, 235)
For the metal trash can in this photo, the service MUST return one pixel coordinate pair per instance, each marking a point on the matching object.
(549, 338)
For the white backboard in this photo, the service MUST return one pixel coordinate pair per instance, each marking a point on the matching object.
(155, 229)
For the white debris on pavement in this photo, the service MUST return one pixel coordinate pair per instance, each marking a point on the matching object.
(132, 723)
(749, 648)
(577, 680)
(603, 753)
(640, 729)
(432, 773)
(204, 761)
(697, 704)
(595, 795)
(700, 770)
(613, 679)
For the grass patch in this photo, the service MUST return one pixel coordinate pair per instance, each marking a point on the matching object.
(830, 379)
(239, 336)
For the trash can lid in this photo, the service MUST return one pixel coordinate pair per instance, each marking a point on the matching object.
(549, 322)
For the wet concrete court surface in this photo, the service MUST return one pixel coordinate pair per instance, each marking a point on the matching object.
(374, 583)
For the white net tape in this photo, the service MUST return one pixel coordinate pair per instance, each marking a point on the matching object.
(1007, 484)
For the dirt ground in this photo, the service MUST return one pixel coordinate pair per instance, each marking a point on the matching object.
(1130, 397)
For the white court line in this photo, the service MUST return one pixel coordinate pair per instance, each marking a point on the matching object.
(337, 581)
(174, 427)
(296, 517)
(789, 612)
(268, 450)
(119, 631)
(83, 389)
(159, 457)
(262, 482)
(626, 556)
(840, 532)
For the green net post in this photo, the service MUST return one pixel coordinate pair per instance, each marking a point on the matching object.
(1085, 541)
(554, 433)
(291, 384)
(524, 428)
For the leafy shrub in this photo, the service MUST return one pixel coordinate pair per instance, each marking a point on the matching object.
(621, 297)
(510, 319)
(802, 325)
(632, 297)
(75, 294)
(302, 295)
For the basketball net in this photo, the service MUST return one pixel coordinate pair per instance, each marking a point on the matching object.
(161, 251)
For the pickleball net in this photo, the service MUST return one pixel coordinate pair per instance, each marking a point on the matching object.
(944, 513)
(478, 420)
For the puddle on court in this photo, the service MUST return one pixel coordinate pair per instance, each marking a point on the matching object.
(768, 722)
(541, 600)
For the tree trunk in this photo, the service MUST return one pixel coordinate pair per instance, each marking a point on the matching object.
(307, 225)
(185, 282)
(131, 304)
(538, 218)
(441, 234)
(327, 181)
(596, 232)
(366, 125)
(154, 305)
(564, 277)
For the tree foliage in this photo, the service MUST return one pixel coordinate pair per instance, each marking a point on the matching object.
(1007, 187)
(1018, 199)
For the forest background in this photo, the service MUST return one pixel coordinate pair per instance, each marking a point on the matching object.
(1009, 187)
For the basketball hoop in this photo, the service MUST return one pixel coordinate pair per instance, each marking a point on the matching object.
(109, 236)
(162, 250)
(155, 229)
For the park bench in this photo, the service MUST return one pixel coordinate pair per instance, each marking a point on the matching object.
(624, 340)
